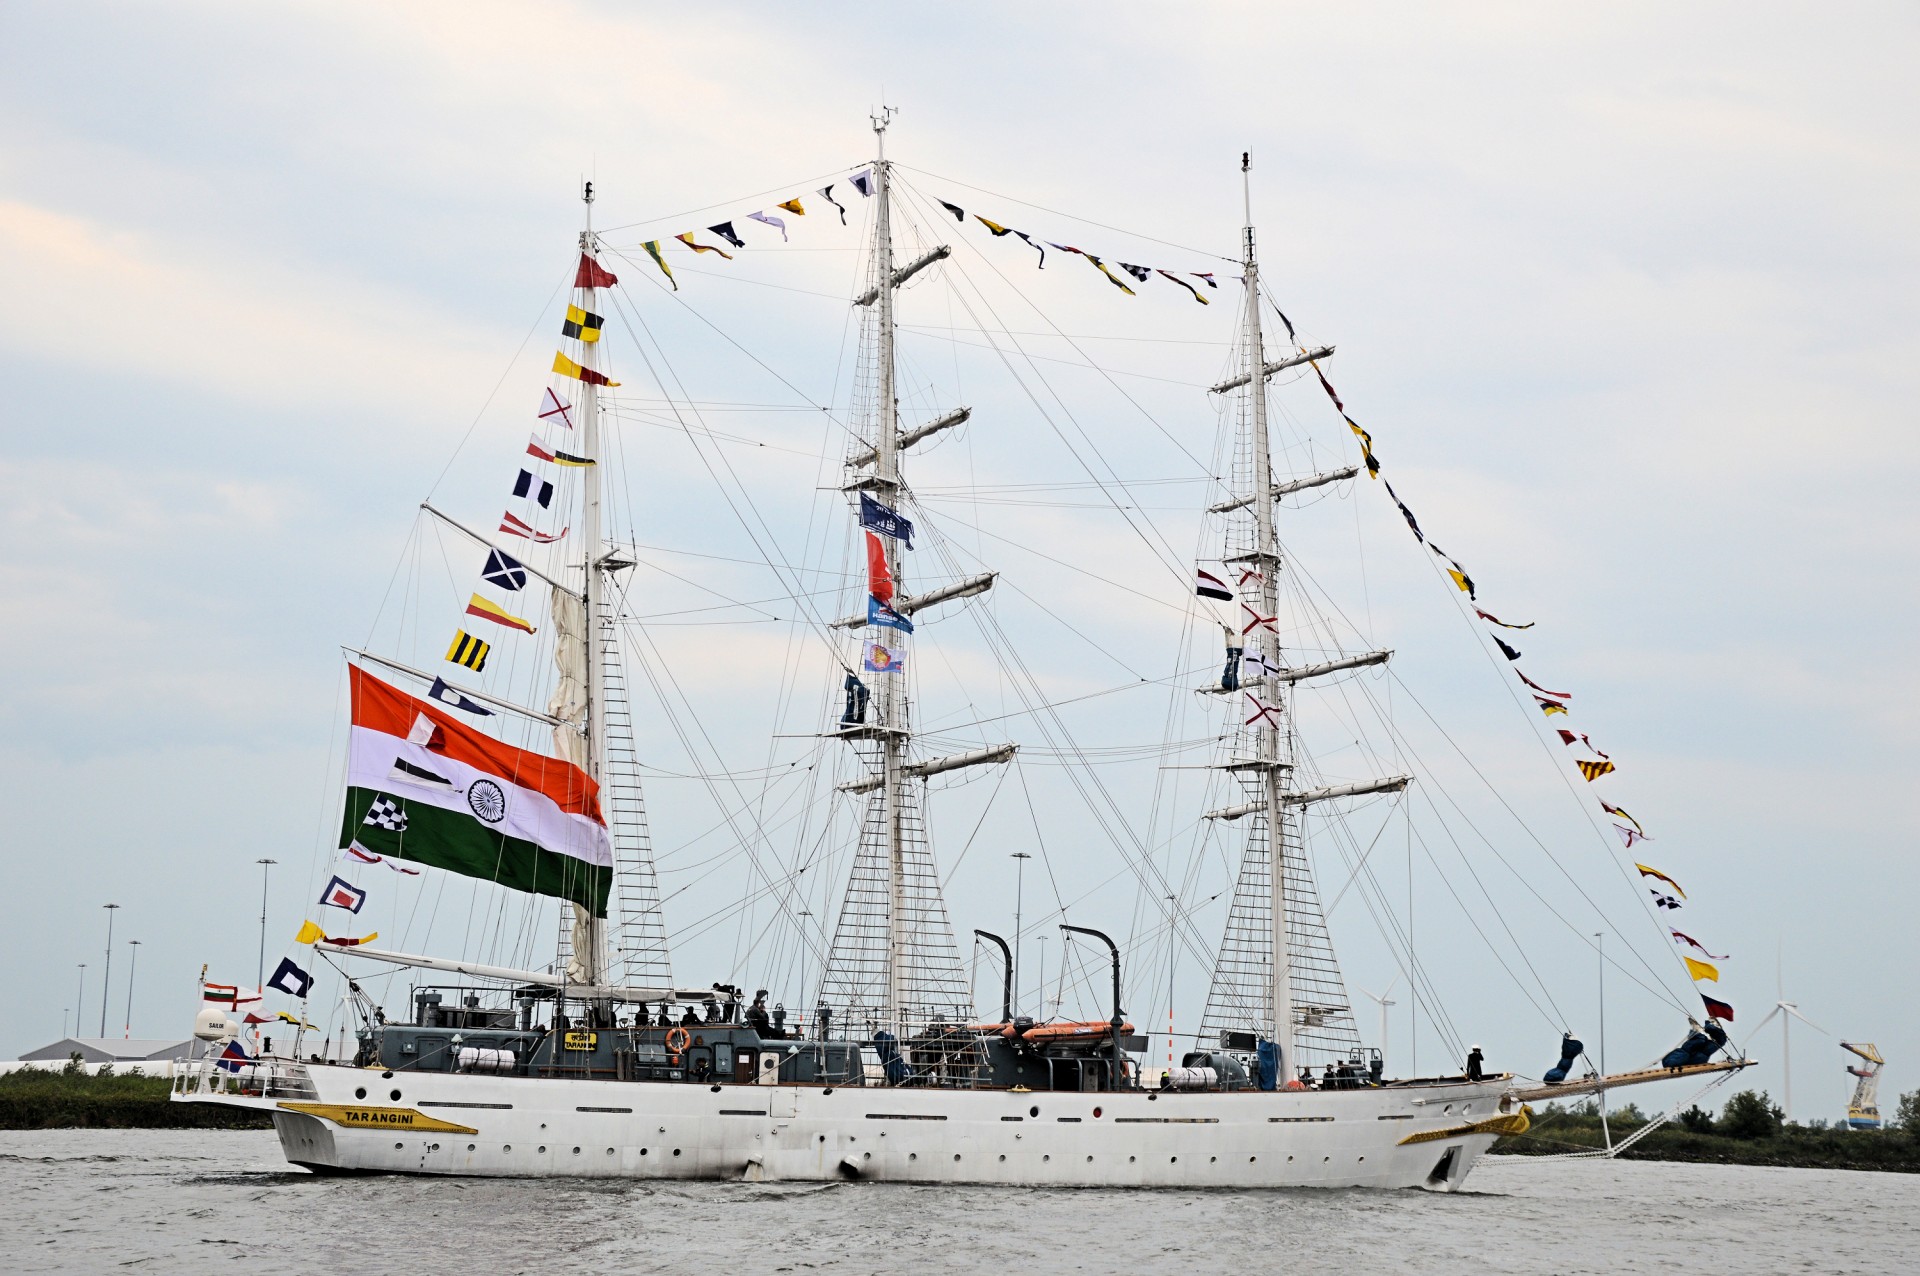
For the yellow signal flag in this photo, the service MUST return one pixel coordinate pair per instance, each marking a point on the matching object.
(1459, 578)
(582, 324)
(793, 206)
(1701, 970)
(488, 610)
(653, 250)
(309, 933)
(1593, 770)
(568, 368)
(468, 651)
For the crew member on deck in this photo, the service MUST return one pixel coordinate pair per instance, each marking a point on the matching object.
(1474, 1061)
(757, 1015)
(691, 1019)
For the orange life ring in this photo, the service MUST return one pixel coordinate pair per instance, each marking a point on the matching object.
(675, 1047)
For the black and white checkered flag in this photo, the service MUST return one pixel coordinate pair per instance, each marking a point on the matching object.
(386, 813)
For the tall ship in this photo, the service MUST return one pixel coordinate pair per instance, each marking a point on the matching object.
(589, 1058)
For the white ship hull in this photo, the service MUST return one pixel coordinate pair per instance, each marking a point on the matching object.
(351, 1120)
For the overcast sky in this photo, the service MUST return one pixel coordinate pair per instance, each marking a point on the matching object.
(1625, 296)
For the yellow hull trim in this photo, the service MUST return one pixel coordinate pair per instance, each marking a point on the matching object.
(1511, 1123)
(355, 1117)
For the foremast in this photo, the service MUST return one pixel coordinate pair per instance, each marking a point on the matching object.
(1275, 923)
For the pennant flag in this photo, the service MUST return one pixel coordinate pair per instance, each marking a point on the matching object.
(446, 695)
(1366, 448)
(309, 933)
(881, 659)
(1557, 695)
(687, 239)
(468, 651)
(792, 206)
(530, 486)
(778, 223)
(725, 231)
(882, 616)
(554, 408)
(1455, 570)
(1663, 901)
(341, 893)
(879, 578)
(1568, 737)
(387, 814)
(862, 181)
(339, 941)
(1206, 275)
(511, 816)
(653, 250)
(1139, 273)
(1210, 586)
(1283, 319)
(589, 275)
(1101, 266)
(1257, 621)
(1406, 513)
(1256, 665)
(876, 517)
(515, 525)
(1549, 707)
(1630, 836)
(1698, 970)
(503, 570)
(583, 324)
(278, 1016)
(290, 979)
(826, 193)
(1717, 1009)
(1593, 770)
(1490, 618)
(361, 855)
(486, 610)
(1683, 937)
(1511, 654)
(536, 448)
(1263, 713)
(1611, 809)
(568, 368)
(959, 213)
(233, 1058)
(1189, 287)
(1654, 872)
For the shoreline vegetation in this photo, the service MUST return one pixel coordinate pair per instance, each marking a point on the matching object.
(76, 1098)
(1750, 1130)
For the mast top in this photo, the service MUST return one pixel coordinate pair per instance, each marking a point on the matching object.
(1246, 201)
(883, 117)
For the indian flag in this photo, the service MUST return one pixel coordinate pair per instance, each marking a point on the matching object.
(425, 787)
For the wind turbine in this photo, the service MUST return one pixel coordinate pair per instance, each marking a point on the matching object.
(1788, 1012)
(1384, 998)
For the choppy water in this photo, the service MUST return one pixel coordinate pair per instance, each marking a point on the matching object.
(178, 1201)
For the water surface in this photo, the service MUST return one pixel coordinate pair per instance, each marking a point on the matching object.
(194, 1201)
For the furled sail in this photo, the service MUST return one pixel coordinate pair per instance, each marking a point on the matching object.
(426, 787)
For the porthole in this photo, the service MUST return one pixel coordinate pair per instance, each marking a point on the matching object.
(823, 1138)
(676, 1151)
(541, 1148)
(609, 1151)
(1172, 1159)
(1033, 1111)
(643, 1151)
(1132, 1159)
(576, 1151)
(913, 1156)
(1096, 1111)
(469, 1147)
(1152, 1098)
(1212, 1159)
(1089, 1160)
(1252, 1159)
(1325, 1159)
(386, 1076)
(506, 1147)
(360, 1093)
(715, 1089)
(398, 1146)
(1003, 1156)
(868, 1156)
(1047, 1157)
(956, 1156)
(1363, 1159)
(395, 1096)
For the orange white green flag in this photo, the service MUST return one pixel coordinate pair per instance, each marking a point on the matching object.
(426, 787)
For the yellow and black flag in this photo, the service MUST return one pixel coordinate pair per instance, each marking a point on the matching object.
(469, 651)
(1592, 770)
(583, 324)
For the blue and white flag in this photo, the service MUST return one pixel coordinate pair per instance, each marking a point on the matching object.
(290, 979)
(534, 488)
(341, 893)
(447, 695)
(504, 570)
(882, 616)
(876, 517)
(862, 181)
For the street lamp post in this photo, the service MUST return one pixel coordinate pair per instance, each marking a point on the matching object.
(266, 867)
(133, 968)
(106, 979)
(80, 1001)
(1020, 859)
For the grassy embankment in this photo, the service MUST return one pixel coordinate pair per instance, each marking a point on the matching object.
(1750, 1132)
(42, 1099)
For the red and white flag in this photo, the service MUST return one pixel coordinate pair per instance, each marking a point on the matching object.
(516, 526)
(553, 409)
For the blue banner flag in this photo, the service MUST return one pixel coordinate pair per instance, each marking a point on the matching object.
(883, 616)
(290, 979)
(504, 570)
(447, 695)
(876, 517)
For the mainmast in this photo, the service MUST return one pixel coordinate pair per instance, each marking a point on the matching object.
(893, 943)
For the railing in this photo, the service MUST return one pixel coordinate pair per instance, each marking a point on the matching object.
(269, 1078)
